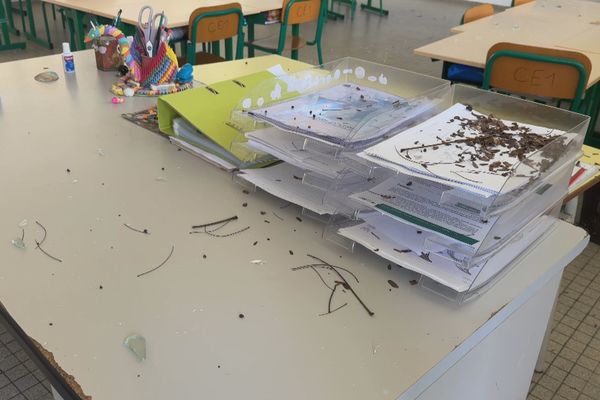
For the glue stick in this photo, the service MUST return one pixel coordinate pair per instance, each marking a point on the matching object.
(67, 57)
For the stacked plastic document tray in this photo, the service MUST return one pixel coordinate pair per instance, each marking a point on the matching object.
(451, 182)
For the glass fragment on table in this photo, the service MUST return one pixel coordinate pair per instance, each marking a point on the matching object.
(137, 345)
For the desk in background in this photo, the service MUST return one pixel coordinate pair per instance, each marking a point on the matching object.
(83, 171)
(540, 23)
(177, 12)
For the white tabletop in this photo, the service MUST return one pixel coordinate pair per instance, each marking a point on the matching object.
(563, 24)
(188, 310)
(178, 12)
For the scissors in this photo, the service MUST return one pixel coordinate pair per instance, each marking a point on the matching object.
(149, 27)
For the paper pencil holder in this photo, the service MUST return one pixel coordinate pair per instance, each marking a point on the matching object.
(159, 69)
(105, 50)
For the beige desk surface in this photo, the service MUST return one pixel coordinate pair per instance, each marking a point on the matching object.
(177, 11)
(208, 74)
(555, 13)
(529, 24)
(198, 347)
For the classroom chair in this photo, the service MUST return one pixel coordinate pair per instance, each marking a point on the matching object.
(464, 73)
(477, 12)
(537, 71)
(5, 42)
(211, 25)
(294, 13)
(519, 2)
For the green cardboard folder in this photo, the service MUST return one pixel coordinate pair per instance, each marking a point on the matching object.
(208, 109)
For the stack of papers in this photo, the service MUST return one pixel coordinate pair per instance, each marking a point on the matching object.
(466, 149)
(382, 234)
(285, 181)
(451, 169)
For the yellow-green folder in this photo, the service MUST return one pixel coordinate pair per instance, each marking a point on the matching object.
(209, 109)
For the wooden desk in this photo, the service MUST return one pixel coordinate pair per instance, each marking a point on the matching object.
(177, 12)
(555, 13)
(79, 310)
(561, 24)
(471, 46)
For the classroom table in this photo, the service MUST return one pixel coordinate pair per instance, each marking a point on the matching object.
(177, 12)
(562, 24)
(223, 317)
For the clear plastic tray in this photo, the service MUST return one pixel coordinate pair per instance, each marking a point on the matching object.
(344, 105)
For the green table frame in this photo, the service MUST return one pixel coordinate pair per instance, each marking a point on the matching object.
(9, 18)
(368, 6)
(30, 32)
(7, 27)
(336, 15)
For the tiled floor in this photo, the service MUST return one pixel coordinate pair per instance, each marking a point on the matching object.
(20, 379)
(573, 355)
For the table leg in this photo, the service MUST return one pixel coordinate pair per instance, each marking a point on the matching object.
(592, 108)
(378, 10)
(32, 34)
(332, 14)
(250, 36)
(9, 18)
(76, 28)
(295, 32)
(22, 14)
(47, 28)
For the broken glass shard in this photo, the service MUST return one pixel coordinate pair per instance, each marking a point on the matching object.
(137, 345)
(18, 243)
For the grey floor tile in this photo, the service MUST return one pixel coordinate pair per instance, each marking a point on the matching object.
(9, 391)
(14, 347)
(37, 392)
(6, 338)
(8, 362)
(3, 380)
(16, 372)
(26, 382)
(21, 355)
(4, 352)
(30, 365)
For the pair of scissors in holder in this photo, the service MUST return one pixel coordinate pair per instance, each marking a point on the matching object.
(149, 28)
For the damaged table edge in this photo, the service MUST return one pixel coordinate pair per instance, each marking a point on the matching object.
(44, 360)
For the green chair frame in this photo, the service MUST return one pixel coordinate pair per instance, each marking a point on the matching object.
(215, 46)
(295, 32)
(5, 42)
(581, 84)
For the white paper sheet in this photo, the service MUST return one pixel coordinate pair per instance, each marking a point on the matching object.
(285, 181)
(205, 155)
(416, 202)
(392, 241)
(435, 149)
